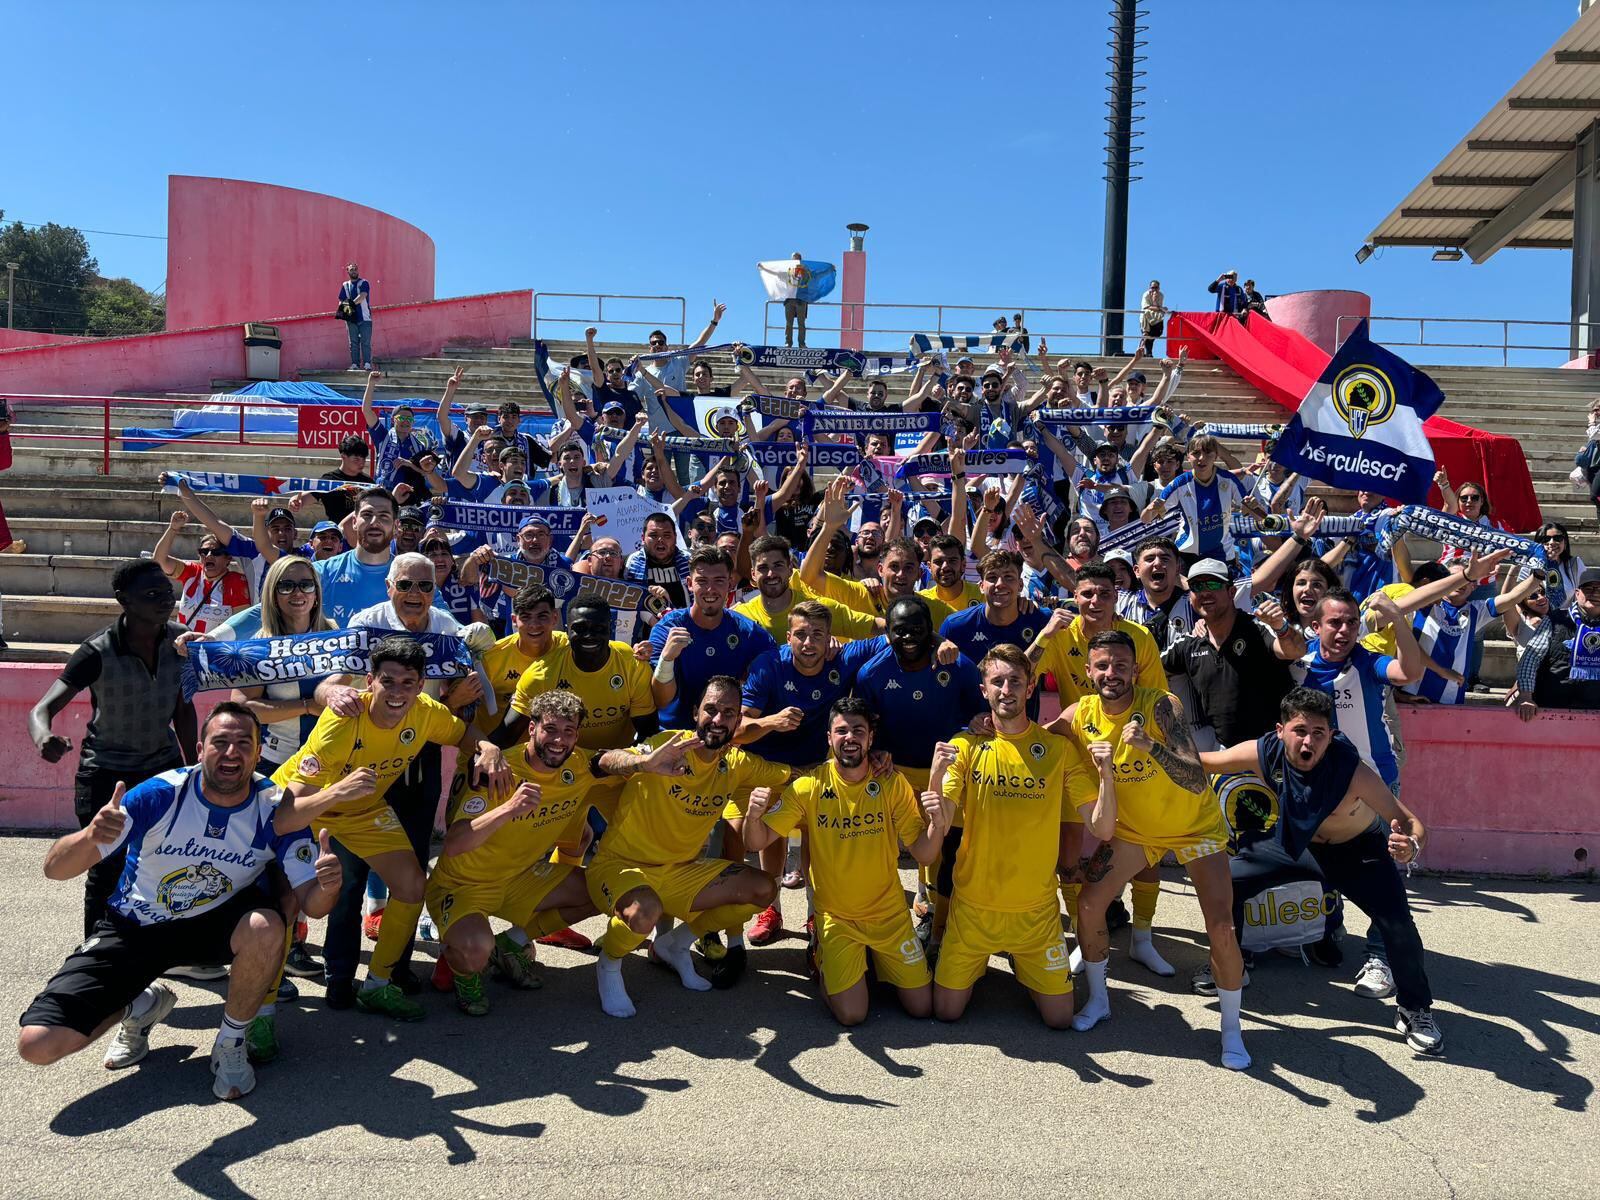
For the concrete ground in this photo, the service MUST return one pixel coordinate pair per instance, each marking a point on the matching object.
(756, 1092)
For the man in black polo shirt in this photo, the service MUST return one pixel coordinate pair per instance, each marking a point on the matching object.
(1237, 666)
(140, 724)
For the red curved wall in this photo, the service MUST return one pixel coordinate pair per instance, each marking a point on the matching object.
(242, 251)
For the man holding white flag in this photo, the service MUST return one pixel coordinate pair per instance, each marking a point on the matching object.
(1360, 425)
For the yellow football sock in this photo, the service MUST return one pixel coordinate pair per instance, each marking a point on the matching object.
(1145, 896)
(399, 925)
(725, 917)
(1069, 897)
(619, 941)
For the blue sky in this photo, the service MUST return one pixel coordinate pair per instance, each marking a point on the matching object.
(626, 147)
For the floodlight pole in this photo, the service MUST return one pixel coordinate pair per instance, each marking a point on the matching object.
(1124, 43)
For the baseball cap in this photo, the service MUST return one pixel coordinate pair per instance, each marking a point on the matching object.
(1590, 575)
(279, 514)
(324, 527)
(1103, 445)
(925, 521)
(530, 522)
(1115, 493)
(996, 371)
(410, 513)
(1121, 556)
(477, 410)
(1136, 377)
(963, 359)
(612, 404)
(1211, 568)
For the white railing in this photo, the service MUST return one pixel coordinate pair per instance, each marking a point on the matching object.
(632, 312)
(1473, 341)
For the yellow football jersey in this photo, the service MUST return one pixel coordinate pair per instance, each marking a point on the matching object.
(519, 843)
(1066, 657)
(854, 831)
(871, 601)
(1012, 789)
(1151, 809)
(665, 819)
(1382, 642)
(970, 595)
(847, 625)
(504, 665)
(339, 745)
(612, 696)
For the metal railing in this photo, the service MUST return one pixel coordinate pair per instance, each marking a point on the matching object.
(1486, 338)
(100, 436)
(600, 320)
(893, 324)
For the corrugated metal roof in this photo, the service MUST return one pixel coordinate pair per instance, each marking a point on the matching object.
(1474, 183)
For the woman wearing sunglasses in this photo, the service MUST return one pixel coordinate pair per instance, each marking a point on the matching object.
(1557, 543)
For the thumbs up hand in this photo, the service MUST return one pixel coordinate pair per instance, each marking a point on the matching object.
(330, 874)
(106, 826)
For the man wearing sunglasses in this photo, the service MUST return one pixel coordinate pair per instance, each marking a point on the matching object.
(141, 724)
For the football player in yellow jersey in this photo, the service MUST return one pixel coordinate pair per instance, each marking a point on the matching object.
(777, 591)
(1164, 802)
(395, 722)
(535, 618)
(649, 862)
(947, 560)
(498, 860)
(857, 823)
(1061, 650)
(899, 567)
(1019, 790)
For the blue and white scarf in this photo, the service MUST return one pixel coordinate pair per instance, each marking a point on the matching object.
(841, 421)
(927, 343)
(979, 462)
(214, 666)
(504, 518)
(636, 569)
(1585, 647)
(248, 485)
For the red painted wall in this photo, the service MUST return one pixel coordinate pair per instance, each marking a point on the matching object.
(188, 360)
(11, 338)
(242, 251)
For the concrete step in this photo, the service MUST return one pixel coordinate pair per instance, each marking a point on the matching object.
(120, 540)
(57, 619)
(37, 652)
(128, 465)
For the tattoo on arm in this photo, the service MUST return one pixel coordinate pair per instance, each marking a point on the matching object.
(1179, 758)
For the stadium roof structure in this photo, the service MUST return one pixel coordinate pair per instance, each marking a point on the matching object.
(1510, 181)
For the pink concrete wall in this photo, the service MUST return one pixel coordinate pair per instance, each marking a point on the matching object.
(853, 293)
(1316, 315)
(1499, 795)
(188, 360)
(11, 338)
(242, 251)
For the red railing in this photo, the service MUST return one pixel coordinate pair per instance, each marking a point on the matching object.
(22, 430)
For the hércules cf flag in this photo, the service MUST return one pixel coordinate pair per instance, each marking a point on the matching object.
(1360, 425)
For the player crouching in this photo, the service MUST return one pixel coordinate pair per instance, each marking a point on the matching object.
(199, 841)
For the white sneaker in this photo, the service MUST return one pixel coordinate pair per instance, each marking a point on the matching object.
(1376, 980)
(235, 1077)
(1205, 985)
(132, 1039)
(426, 932)
(197, 972)
(1421, 1032)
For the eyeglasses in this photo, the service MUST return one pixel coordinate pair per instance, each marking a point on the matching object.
(425, 586)
(287, 587)
(1207, 585)
(214, 552)
(1552, 537)
(1469, 497)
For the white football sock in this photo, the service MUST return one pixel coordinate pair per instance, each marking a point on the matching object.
(613, 994)
(231, 1032)
(142, 1004)
(1234, 1055)
(673, 949)
(1143, 952)
(1099, 1007)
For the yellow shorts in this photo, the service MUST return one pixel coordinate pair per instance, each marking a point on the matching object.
(515, 899)
(676, 884)
(896, 952)
(377, 831)
(1185, 847)
(1032, 939)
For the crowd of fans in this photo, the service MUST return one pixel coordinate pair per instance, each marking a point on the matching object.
(855, 652)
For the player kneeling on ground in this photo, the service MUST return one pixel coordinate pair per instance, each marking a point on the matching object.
(1017, 789)
(857, 823)
(199, 840)
(498, 860)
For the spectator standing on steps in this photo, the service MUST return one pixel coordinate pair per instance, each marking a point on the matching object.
(139, 723)
(794, 308)
(1230, 296)
(355, 299)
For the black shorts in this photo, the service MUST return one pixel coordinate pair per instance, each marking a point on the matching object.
(121, 958)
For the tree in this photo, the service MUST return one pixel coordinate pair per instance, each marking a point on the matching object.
(54, 274)
(120, 306)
